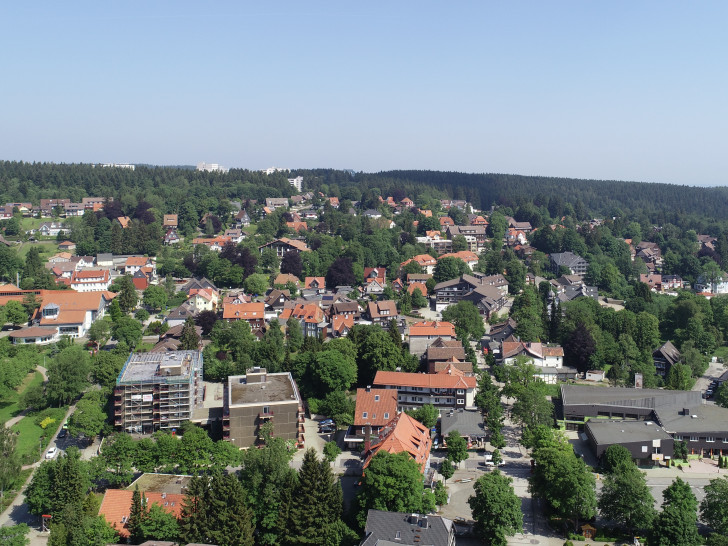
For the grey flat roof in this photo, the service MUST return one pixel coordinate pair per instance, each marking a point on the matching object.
(627, 397)
(278, 387)
(466, 422)
(709, 418)
(146, 366)
(607, 432)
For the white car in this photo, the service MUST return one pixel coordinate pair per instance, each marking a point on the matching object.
(51, 452)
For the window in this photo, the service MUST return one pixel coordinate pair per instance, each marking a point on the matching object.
(693, 438)
(461, 391)
(461, 401)
(398, 535)
(710, 438)
(644, 449)
(376, 398)
(266, 409)
(386, 415)
(364, 415)
(374, 415)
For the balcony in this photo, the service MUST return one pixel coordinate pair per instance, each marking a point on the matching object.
(265, 416)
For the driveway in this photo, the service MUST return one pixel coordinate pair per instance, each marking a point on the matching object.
(714, 371)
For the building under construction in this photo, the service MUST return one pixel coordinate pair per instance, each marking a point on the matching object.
(158, 391)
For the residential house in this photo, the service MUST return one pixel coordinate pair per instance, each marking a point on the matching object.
(422, 287)
(136, 263)
(442, 390)
(216, 244)
(47, 205)
(284, 244)
(423, 334)
(425, 261)
(67, 246)
(311, 316)
(252, 313)
(488, 293)
(470, 258)
(519, 226)
(446, 221)
(382, 312)
(242, 219)
(252, 400)
(314, 283)
(372, 214)
(341, 325)
(275, 301)
(664, 357)
(549, 360)
(515, 237)
(475, 236)
(274, 203)
(573, 262)
(50, 229)
(124, 221)
(346, 309)
(105, 260)
(203, 299)
(170, 221)
(93, 280)
(171, 237)
(712, 286)
(297, 226)
(477, 220)
(74, 209)
(204, 282)
(179, 315)
(375, 408)
(441, 353)
(407, 203)
(402, 434)
(469, 423)
(6, 212)
(234, 235)
(116, 507)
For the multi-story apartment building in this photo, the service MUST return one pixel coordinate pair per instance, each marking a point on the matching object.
(259, 397)
(443, 390)
(158, 391)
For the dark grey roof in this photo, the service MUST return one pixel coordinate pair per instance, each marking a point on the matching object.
(204, 282)
(466, 422)
(586, 395)
(567, 259)
(668, 352)
(382, 527)
(606, 432)
(707, 418)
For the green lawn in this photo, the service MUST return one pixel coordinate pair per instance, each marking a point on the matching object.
(29, 434)
(9, 405)
(9, 496)
(47, 249)
(722, 352)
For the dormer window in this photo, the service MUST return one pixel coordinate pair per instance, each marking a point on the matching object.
(376, 398)
(364, 415)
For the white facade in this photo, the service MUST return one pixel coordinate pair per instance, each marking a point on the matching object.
(211, 167)
(296, 182)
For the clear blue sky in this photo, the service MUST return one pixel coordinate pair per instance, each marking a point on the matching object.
(619, 90)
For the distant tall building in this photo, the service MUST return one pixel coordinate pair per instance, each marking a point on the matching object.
(211, 167)
(272, 170)
(117, 165)
(296, 182)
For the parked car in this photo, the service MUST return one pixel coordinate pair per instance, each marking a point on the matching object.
(326, 422)
(327, 429)
(63, 433)
(51, 452)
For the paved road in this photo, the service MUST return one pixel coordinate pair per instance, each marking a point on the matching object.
(714, 371)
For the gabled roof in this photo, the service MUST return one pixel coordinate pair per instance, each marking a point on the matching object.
(136, 261)
(404, 434)
(382, 308)
(243, 311)
(376, 404)
(298, 245)
(124, 221)
(432, 328)
(425, 380)
(342, 323)
(116, 506)
(422, 287)
(669, 352)
(314, 282)
(169, 220)
(284, 278)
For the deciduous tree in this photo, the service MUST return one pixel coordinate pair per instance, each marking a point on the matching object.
(496, 508)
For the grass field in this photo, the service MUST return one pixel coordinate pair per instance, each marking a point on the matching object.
(9, 495)
(47, 249)
(9, 405)
(29, 446)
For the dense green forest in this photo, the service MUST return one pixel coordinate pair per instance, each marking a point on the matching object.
(168, 188)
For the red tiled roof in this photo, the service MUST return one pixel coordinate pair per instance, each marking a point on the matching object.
(116, 506)
(137, 261)
(380, 406)
(320, 281)
(243, 311)
(404, 434)
(341, 322)
(434, 328)
(426, 380)
(418, 285)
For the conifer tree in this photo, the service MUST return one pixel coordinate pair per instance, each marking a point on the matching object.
(136, 516)
(189, 339)
(318, 507)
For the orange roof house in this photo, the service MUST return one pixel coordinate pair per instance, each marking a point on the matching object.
(468, 256)
(284, 278)
(432, 328)
(403, 434)
(297, 226)
(446, 221)
(375, 407)
(170, 220)
(422, 287)
(313, 283)
(244, 311)
(116, 507)
(124, 221)
(342, 324)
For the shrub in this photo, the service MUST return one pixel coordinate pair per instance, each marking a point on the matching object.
(46, 422)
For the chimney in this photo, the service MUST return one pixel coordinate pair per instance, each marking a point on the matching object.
(369, 388)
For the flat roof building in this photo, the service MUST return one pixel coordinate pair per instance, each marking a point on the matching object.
(158, 391)
(259, 397)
